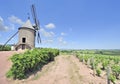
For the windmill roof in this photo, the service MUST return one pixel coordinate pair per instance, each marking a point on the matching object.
(28, 24)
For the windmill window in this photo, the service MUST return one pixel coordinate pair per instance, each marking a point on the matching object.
(23, 40)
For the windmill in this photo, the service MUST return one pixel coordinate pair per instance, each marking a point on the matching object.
(27, 33)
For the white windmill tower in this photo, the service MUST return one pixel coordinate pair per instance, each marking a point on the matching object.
(28, 33)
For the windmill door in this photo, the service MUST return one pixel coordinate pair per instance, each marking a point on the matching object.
(23, 46)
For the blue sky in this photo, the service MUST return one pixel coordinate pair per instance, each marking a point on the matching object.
(68, 24)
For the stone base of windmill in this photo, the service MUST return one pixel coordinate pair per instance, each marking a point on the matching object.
(22, 46)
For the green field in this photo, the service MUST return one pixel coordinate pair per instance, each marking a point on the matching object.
(100, 61)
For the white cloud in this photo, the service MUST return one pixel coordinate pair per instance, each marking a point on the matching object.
(62, 41)
(12, 27)
(63, 34)
(1, 19)
(50, 26)
(48, 41)
(11, 23)
(15, 20)
(46, 34)
(2, 26)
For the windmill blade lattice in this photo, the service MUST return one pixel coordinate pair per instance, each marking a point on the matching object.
(36, 21)
(39, 37)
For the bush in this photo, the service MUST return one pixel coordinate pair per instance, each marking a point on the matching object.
(116, 70)
(98, 71)
(5, 48)
(112, 78)
(30, 61)
(105, 64)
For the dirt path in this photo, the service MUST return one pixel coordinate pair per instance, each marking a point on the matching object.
(5, 64)
(64, 70)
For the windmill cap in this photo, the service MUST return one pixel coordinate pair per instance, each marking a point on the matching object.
(28, 24)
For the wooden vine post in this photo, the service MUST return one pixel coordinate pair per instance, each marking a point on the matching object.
(108, 75)
(93, 65)
(83, 58)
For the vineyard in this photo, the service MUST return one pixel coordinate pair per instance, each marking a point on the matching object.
(107, 63)
(55, 66)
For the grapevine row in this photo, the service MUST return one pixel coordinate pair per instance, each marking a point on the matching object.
(31, 60)
(99, 63)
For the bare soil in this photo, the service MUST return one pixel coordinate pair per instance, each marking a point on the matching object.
(5, 64)
(66, 69)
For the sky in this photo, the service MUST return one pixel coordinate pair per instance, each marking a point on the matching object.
(65, 24)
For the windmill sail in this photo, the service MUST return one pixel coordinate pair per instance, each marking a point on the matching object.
(33, 9)
(36, 21)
